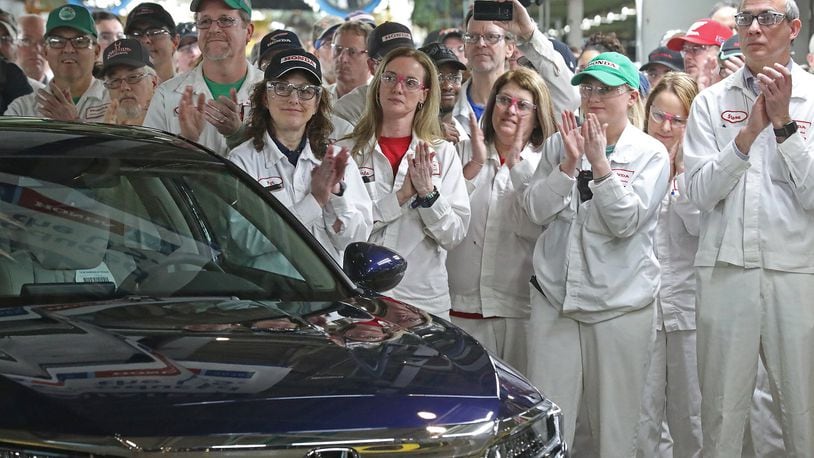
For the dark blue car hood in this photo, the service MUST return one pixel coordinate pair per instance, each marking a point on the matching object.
(224, 366)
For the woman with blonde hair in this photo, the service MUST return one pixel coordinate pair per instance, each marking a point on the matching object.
(672, 392)
(413, 176)
(597, 189)
(490, 270)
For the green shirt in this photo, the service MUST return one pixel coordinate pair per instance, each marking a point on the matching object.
(218, 89)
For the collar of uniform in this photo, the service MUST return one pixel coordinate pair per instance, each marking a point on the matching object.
(274, 155)
(461, 103)
(625, 149)
(96, 90)
(747, 80)
(195, 78)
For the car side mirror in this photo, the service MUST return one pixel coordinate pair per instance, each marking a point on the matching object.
(373, 267)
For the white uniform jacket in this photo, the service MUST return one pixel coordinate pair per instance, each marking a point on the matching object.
(351, 106)
(676, 245)
(596, 258)
(163, 111)
(421, 235)
(489, 272)
(551, 67)
(91, 107)
(292, 186)
(756, 212)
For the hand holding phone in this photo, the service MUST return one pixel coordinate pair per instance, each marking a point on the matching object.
(487, 10)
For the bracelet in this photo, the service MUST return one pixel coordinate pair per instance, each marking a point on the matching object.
(480, 164)
(603, 178)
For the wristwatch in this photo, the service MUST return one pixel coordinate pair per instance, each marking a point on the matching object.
(786, 131)
(342, 188)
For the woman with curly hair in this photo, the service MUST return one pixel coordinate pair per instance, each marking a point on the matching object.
(413, 176)
(289, 153)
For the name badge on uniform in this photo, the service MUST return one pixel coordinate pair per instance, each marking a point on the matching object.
(367, 174)
(271, 183)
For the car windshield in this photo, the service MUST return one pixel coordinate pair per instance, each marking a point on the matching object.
(100, 226)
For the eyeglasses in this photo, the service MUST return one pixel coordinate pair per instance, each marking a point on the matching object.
(451, 78)
(488, 38)
(27, 42)
(693, 49)
(766, 18)
(523, 106)
(149, 33)
(80, 42)
(7, 40)
(352, 52)
(285, 89)
(131, 80)
(111, 36)
(660, 116)
(223, 22)
(601, 91)
(653, 73)
(410, 83)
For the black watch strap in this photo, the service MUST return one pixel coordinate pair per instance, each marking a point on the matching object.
(786, 131)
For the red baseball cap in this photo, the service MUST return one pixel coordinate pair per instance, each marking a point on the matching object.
(702, 32)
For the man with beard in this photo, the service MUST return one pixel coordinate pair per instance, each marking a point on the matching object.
(207, 103)
(131, 80)
(30, 56)
(71, 50)
(450, 76)
(700, 47)
(153, 26)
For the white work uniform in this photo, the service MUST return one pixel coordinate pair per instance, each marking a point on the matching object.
(351, 106)
(755, 262)
(671, 390)
(163, 111)
(292, 186)
(490, 270)
(91, 107)
(421, 235)
(551, 67)
(591, 327)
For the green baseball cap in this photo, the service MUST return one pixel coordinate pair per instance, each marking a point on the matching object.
(611, 68)
(72, 16)
(245, 5)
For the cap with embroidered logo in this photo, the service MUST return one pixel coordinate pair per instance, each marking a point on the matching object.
(610, 68)
(703, 32)
(277, 40)
(245, 5)
(151, 14)
(73, 17)
(387, 37)
(442, 55)
(7, 20)
(128, 52)
(731, 48)
(664, 56)
(289, 60)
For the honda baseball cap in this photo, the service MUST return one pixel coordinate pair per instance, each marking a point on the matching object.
(73, 17)
(8, 21)
(387, 37)
(152, 14)
(127, 52)
(731, 48)
(442, 55)
(610, 68)
(289, 60)
(702, 32)
(664, 56)
(278, 40)
(245, 5)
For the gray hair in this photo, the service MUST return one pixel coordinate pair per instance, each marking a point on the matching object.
(792, 10)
